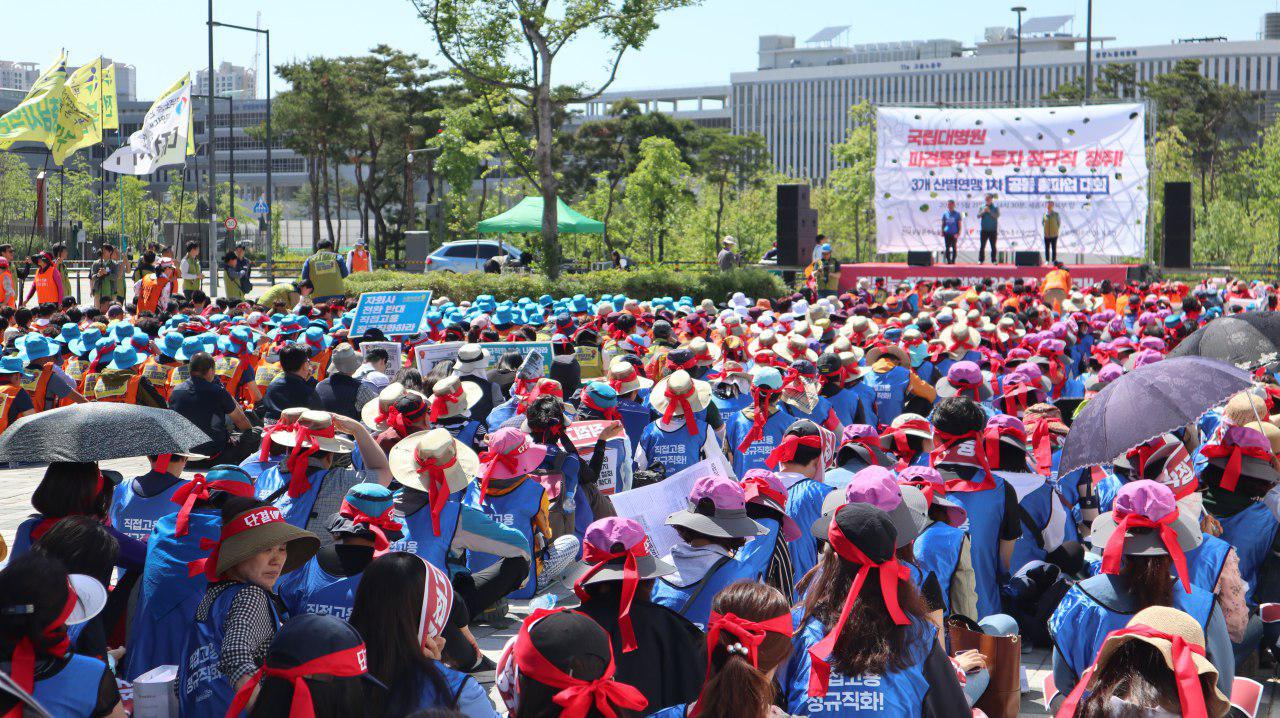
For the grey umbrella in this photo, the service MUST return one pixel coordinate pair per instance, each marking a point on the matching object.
(1247, 340)
(1146, 403)
(98, 431)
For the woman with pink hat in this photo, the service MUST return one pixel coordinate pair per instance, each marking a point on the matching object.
(712, 531)
(771, 553)
(942, 548)
(656, 649)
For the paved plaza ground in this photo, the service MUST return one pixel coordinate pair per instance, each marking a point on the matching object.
(16, 486)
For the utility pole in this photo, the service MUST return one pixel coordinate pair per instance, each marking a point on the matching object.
(213, 183)
(1017, 75)
(1088, 52)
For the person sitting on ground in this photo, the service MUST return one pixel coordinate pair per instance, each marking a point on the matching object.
(293, 388)
(339, 391)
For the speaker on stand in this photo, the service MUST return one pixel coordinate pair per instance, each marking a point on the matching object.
(1179, 225)
(797, 228)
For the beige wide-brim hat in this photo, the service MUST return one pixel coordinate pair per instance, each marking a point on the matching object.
(680, 383)
(300, 545)
(436, 444)
(634, 379)
(1172, 622)
(471, 395)
(707, 353)
(767, 339)
(794, 347)
(315, 420)
(893, 350)
(370, 411)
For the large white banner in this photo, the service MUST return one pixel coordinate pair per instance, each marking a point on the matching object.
(162, 141)
(1090, 161)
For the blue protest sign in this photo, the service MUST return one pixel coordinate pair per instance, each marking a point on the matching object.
(393, 313)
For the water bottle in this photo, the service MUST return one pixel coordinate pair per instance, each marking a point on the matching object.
(546, 601)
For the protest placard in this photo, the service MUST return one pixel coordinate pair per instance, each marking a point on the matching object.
(426, 356)
(395, 354)
(497, 349)
(392, 313)
(651, 505)
(590, 361)
(615, 470)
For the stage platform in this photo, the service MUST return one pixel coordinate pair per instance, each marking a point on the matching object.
(1090, 273)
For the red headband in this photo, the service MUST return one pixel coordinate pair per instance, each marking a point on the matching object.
(750, 634)
(947, 451)
(377, 525)
(1185, 672)
(900, 436)
(681, 400)
(760, 417)
(1114, 551)
(297, 463)
(630, 582)
(437, 485)
(611, 413)
(280, 425)
(347, 663)
(198, 489)
(1235, 458)
(577, 696)
(249, 520)
(755, 486)
(1041, 443)
(23, 663)
(785, 452)
(891, 572)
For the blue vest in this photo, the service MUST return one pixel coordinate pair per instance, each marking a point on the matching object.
(729, 407)
(756, 552)
(1038, 504)
(73, 691)
(698, 610)
(845, 404)
(297, 512)
(311, 589)
(134, 515)
(500, 413)
(516, 508)
(891, 391)
(167, 594)
(464, 431)
(1106, 490)
(896, 693)
(675, 449)
(453, 680)
(804, 506)
(1081, 622)
(986, 513)
(22, 537)
(821, 411)
(635, 417)
(937, 550)
(203, 690)
(1251, 532)
(1205, 562)
(420, 535)
(759, 450)
(944, 364)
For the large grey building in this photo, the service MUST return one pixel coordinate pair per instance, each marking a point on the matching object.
(798, 96)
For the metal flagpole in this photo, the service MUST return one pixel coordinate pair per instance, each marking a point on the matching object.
(213, 184)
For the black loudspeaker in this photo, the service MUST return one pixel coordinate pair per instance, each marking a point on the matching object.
(1026, 259)
(1179, 228)
(1138, 273)
(797, 226)
(920, 259)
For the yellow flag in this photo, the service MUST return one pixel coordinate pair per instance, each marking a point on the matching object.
(80, 116)
(35, 119)
(110, 119)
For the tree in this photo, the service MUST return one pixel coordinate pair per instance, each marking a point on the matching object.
(1115, 81)
(731, 159)
(1214, 119)
(658, 189)
(17, 194)
(514, 46)
(845, 209)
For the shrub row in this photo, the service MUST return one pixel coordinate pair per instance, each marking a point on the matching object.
(641, 284)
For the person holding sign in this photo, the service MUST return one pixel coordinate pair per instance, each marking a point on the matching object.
(678, 438)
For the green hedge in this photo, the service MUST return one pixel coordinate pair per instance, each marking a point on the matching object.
(641, 284)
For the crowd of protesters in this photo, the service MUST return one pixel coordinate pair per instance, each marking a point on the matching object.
(874, 482)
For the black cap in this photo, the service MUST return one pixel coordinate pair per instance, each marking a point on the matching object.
(625, 321)
(680, 356)
(829, 363)
(661, 329)
(570, 640)
(309, 636)
(868, 528)
(805, 367)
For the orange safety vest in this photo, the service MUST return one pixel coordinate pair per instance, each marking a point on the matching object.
(149, 293)
(39, 386)
(7, 395)
(359, 261)
(320, 364)
(177, 375)
(158, 374)
(47, 288)
(8, 298)
(128, 396)
(231, 369)
(1057, 279)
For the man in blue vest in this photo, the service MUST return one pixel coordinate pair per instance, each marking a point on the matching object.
(892, 379)
(991, 503)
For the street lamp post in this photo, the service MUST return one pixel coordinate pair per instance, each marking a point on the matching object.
(1017, 75)
(1088, 52)
(213, 184)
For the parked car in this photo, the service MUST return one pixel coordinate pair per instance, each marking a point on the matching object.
(469, 255)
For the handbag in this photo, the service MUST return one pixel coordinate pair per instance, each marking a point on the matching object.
(1003, 696)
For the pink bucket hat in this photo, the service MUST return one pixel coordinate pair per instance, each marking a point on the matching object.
(511, 453)
(930, 483)
(718, 508)
(877, 486)
(762, 487)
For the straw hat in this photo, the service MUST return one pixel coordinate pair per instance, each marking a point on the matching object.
(261, 528)
(436, 445)
(698, 393)
(454, 397)
(1172, 622)
(626, 378)
(893, 350)
(310, 422)
(370, 411)
(795, 347)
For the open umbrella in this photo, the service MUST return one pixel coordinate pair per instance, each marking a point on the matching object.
(98, 431)
(1146, 403)
(1247, 340)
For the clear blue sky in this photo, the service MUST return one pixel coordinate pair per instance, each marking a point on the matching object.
(700, 45)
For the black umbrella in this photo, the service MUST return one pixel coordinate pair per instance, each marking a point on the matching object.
(98, 431)
(1247, 340)
(1146, 403)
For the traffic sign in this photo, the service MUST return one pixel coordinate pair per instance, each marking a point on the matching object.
(231, 224)
(260, 207)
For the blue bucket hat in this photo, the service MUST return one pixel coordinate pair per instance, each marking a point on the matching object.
(210, 340)
(236, 340)
(546, 300)
(125, 357)
(190, 347)
(218, 320)
(170, 344)
(579, 304)
(141, 341)
(366, 500)
(82, 345)
(121, 331)
(102, 349)
(35, 346)
(70, 331)
(601, 394)
(289, 325)
(503, 317)
(316, 340)
(14, 365)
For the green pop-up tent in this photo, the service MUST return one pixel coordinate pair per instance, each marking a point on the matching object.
(527, 217)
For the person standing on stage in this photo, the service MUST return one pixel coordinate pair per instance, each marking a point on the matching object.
(989, 216)
(1052, 223)
(951, 222)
